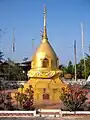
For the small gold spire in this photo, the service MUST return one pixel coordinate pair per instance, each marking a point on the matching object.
(45, 30)
(44, 16)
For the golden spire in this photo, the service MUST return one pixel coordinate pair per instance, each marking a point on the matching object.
(45, 30)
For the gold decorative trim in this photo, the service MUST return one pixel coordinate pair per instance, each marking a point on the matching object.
(42, 74)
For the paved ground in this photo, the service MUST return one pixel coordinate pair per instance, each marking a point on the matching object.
(44, 118)
(47, 105)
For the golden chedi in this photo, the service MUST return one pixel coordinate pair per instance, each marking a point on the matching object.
(44, 73)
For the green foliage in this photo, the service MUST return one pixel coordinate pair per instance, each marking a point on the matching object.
(73, 97)
(70, 69)
(1, 55)
(12, 71)
(67, 69)
(80, 68)
(87, 59)
(1, 58)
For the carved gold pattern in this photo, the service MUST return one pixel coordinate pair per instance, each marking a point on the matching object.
(43, 74)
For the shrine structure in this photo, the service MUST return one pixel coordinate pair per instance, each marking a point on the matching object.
(44, 75)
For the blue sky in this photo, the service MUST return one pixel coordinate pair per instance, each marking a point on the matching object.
(63, 27)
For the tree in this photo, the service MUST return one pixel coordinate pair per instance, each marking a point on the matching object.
(1, 55)
(68, 71)
(80, 69)
(62, 68)
(73, 97)
(1, 66)
(70, 68)
(14, 71)
(25, 58)
(87, 60)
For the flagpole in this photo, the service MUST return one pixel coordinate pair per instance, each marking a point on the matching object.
(13, 42)
(75, 61)
(82, 35)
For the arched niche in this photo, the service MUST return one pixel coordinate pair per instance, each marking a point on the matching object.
(45, 63)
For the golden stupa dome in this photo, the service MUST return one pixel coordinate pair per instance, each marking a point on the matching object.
(45, 49)
(45, 56)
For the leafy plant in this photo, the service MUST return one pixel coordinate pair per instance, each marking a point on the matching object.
(25, 99)
(73, 97)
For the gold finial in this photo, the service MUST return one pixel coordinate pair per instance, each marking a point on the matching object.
(45, 30)
(44, 16)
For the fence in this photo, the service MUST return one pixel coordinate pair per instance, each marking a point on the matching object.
(43, 113)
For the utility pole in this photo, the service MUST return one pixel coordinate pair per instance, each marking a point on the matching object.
(75, 61)
(82, 35)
